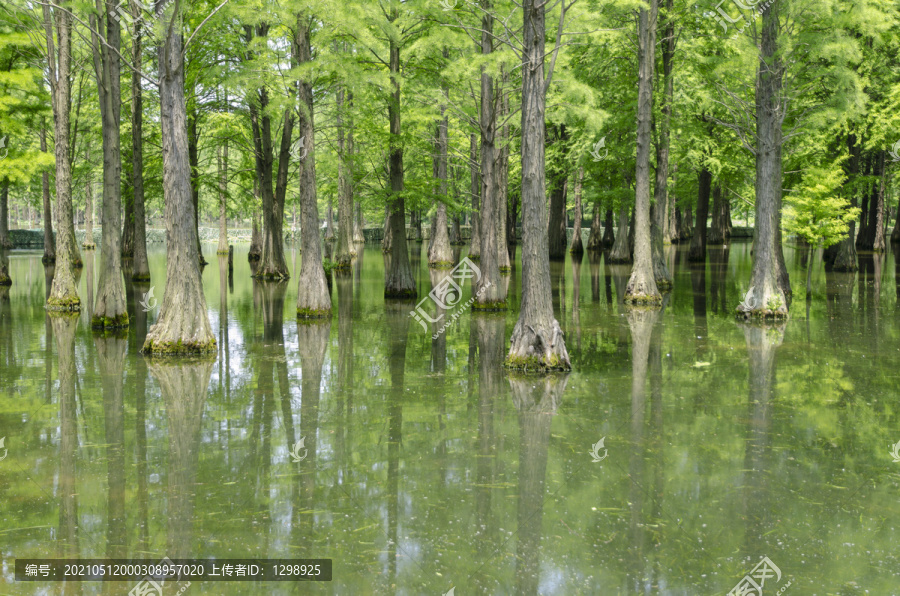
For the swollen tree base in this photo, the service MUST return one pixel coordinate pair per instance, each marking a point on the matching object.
(66, 304)
(493, 306)
(766, 303)
(538, 350)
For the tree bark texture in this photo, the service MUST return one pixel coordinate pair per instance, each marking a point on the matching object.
(475, 194)
(697, 251)
(313, 298)
(183, 326)
(620, 252)
(63, 291)
(345, 249)
(595, 239)
(440, 255)
(577, 246)
(399, 281)
(141, 265)
(255, 235)
(537, 341)
(765, 297)
(641, 288)
(222, 170)
(489, 292)
(49, 241)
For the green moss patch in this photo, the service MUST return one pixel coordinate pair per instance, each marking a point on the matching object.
(441, 265)
(642, 299)
(492, 306)
(172, 348)
(70, 303)
(5, 280)
(535, 364)
(313, 313)
(101, 323)
(140, 277)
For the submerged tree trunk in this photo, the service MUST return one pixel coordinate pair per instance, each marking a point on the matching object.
(876, 213)
(194, 161)
(845, 257)
(313, 299)
(609, 236)
(556, 227)
(595, 239)
(440, 255)
(255, 235)
(697, 251)
(388, 234)
(345, 250)
(577, 247)
(503, 176)
(5, 242)
(398, 281)
(475, 190)
(63, 291)
(109, 306)
(765, 296)
(222, 167)
(641, 288)
(49, 241)
(183, 326)
(537, 341)
(620, 252)
(489, 292)
(88, 243)
(141, 266)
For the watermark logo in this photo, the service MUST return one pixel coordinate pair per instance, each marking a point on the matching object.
(448, 5)
(152, 586)
(595, 451)
(149, 302)
(451, 592)
(3, 150)
(724, 19)
(895, 453)
(295, 452)
(601, 144)
(895, 151)
(3, 447)
(752, 583)
(121, 13)
(299, 151)
(448, 293)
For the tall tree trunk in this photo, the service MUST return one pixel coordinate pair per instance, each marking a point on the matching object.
(272, 265)
(255, 235)
(559, 187)
(595, 239)
(621, 252)
(440, 255)
(141, 265)
(398, 281)
(537, 340)
(63, 291)
(609, 236)
(489, 292)
(502, 218)
(313, 299)
(388, 232)
(659, 221)
(697, 251)
(358, 235)
(127, 241)
(222, 167)
(864, 207)
(716, 233)
(5, 242)
(194, 159)
(876, 215)
(88, 243)
(109, 306)
(475, 193)
(345, 250)
(183, 326)
(576, 247)
(641, 288)
(49, 241)
(765, 296)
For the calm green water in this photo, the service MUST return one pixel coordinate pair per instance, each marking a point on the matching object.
(429, 467)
